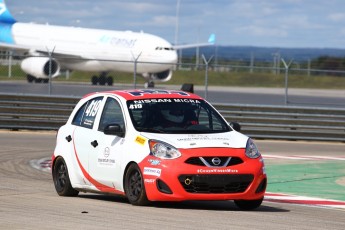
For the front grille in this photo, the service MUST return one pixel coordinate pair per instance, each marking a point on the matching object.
(216, 183)
(200, 161)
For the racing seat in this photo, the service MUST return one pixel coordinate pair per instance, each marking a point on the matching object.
(190, 118)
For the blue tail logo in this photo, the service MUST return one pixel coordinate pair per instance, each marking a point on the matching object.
(6, 22)
(5, 15)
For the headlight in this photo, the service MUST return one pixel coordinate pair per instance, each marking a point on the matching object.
(163, 150)
(251, 150)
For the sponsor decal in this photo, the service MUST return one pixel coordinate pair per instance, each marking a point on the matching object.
(152, 171)
(149, 181)
(217, 171)
(115, 41)
(202, 138)
(140, 140)
(105, 159)
(106, 152)
(137, 103)
(154, 162)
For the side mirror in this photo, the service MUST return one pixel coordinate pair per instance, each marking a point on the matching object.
(114, 129)
(236, 126)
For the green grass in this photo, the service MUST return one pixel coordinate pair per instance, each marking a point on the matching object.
(233, 78)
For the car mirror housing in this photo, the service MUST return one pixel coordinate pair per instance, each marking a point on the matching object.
(114, 129)
(236, 126)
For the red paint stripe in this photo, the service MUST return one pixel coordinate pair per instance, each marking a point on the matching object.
(99, 186)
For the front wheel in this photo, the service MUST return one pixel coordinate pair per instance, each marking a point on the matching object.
(61, 179)
(134, 186)
(248, 204)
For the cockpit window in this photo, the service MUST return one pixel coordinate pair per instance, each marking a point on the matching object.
(175, 115)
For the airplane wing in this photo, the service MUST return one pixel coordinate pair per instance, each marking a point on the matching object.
(13, 47)
(30, 49)
(211, 41)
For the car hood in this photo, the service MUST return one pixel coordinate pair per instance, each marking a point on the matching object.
(231, 139)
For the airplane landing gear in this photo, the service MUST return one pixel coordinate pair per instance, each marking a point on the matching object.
(149, 84)
(33, 79)
(102, 79)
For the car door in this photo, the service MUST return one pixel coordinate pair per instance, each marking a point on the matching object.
(105, 163)
(84, 135)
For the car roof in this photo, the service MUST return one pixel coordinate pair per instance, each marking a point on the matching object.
(136, 94)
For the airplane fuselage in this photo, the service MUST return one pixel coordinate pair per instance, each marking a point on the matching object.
(97, 50)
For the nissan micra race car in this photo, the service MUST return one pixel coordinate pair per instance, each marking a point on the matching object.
(156, 145)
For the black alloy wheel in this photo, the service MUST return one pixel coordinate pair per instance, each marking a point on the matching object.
(61, 179)
(134, 186)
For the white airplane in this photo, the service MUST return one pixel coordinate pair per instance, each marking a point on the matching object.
(52, 49)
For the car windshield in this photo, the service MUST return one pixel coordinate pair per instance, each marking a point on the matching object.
(175, 115)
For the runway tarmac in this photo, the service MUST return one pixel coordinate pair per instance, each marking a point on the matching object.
(28, 199)
(215, 94)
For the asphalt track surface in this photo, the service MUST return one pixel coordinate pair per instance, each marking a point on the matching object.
(266, 96)
(28, 199)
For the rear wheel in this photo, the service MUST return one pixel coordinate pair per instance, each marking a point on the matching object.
(248, 204)
(134, 186)
(61, 179)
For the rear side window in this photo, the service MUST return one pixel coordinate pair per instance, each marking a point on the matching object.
(86, 115)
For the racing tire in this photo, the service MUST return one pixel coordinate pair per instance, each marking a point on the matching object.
(248, 204)
(61, 179)
(134, 186)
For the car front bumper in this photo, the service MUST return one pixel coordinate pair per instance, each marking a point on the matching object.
(186, 178)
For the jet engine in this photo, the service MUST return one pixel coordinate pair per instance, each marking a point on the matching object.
(40, 67)
(161, 76)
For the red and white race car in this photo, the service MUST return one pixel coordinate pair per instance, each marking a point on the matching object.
(156, 145)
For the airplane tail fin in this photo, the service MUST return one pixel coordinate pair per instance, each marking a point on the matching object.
(212, 39)
(5, 15)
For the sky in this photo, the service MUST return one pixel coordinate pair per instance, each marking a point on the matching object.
(262, 23)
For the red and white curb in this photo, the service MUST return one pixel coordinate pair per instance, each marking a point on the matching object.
(43, 164)
(304, 200)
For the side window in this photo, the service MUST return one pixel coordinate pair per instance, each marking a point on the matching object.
(79, 115)
(210, 120)
(86, 115)
(112, 114)
(204, 118)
